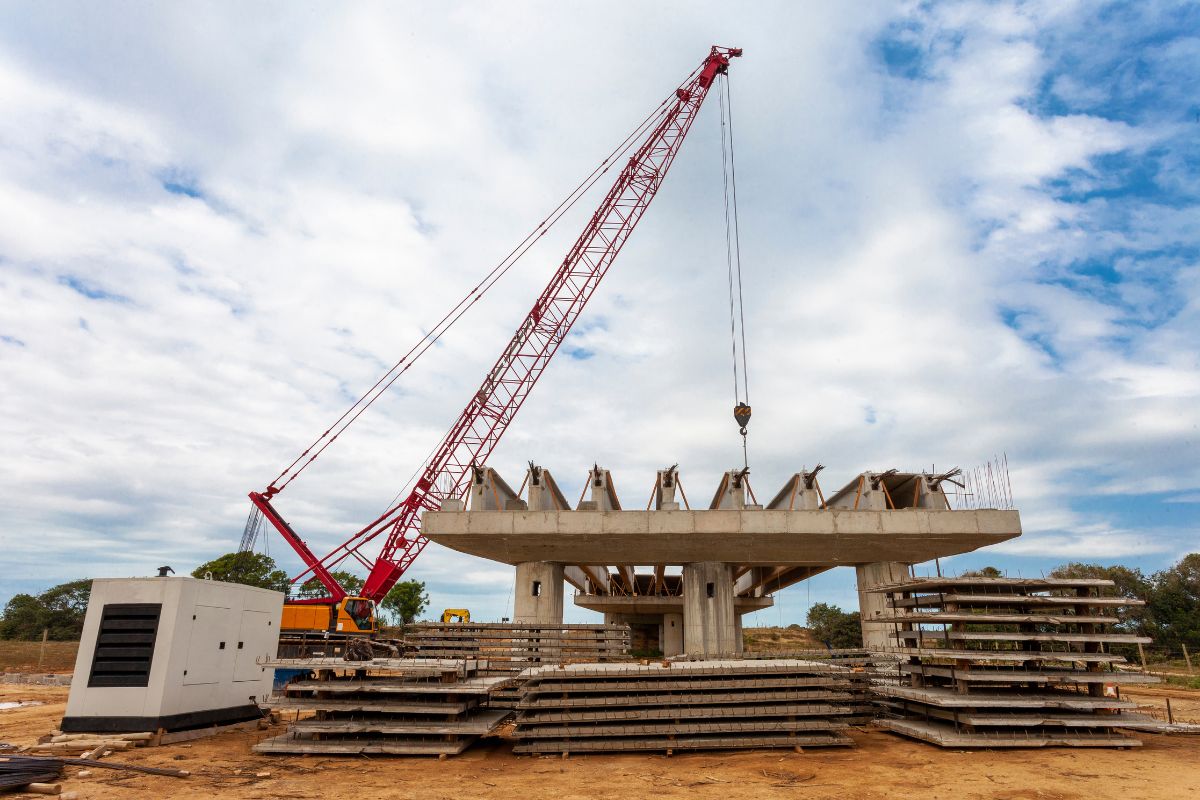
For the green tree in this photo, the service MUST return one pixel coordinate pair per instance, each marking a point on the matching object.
(251, 569)
(24, 618)
(406, 601)
(349, 581)
(1130, 583)
(983, 572)
(60, 610)
(1173, 605)
(833, 627)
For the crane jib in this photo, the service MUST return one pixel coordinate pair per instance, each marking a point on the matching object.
(481, 424)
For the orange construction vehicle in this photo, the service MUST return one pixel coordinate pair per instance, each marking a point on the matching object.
(349, 616)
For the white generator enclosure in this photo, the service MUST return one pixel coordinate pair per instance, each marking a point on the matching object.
(172, 653)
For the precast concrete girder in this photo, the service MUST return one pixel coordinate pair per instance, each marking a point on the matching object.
(732, 555)
(802, 491)
(490, 492)
(602, 493)
(543, 493)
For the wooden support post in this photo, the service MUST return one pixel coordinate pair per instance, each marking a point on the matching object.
(1142, 656)
(1188, 659)
(42, 650)
(1170, 716)
(98, 753)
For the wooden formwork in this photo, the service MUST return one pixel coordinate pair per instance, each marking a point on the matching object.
(385, 707)
(1002, 662)
(681, 705)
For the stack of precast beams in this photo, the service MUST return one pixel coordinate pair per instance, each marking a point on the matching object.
(1009, 662)
(507, 648)
(385, 707)
(512, 647)
(678, 705)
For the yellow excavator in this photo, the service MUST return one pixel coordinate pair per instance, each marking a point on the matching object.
(456, 615)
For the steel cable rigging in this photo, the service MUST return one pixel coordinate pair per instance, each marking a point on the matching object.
(733, 259)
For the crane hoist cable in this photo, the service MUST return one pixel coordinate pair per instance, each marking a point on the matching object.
(733, 259)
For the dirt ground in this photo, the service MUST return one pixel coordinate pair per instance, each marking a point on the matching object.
(881, 766)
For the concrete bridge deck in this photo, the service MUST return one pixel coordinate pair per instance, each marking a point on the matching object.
(826, 537)
(724, 561)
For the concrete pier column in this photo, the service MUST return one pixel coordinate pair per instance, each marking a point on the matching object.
(539, 593)
(671, 640)
(709, 619)
(874, 604)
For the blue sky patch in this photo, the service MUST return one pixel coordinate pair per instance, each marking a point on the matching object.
(1157, 510)
(902, 57)
(1021, 321)
(90, 290)
(181, 184)
(580, 353)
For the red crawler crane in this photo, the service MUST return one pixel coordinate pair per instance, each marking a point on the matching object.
(492, 408)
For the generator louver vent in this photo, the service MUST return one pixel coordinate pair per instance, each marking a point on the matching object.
(125, 644)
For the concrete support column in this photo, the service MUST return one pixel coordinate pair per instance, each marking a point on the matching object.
(539, 593)
(709, 620)
(671, 640)
(874, 604)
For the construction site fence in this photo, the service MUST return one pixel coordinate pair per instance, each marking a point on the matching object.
(1167, 661)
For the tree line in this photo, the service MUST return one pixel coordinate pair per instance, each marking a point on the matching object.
(60, 609)
(1170, 614)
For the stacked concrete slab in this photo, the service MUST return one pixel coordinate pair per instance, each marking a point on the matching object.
(866, 669)
(509, 648)
(1009, 662)
(385, 707)
(668, 706)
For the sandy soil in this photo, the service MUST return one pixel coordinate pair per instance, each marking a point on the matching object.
(882, 766)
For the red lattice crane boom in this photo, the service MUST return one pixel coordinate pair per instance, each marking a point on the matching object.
(491, 410)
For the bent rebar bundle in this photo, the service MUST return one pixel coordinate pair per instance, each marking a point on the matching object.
(17, 772)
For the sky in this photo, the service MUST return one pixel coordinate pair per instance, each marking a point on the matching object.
(969, 230)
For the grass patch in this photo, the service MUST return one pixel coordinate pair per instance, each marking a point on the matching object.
(1184, 681)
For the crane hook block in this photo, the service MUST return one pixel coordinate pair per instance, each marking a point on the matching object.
(741, 415)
